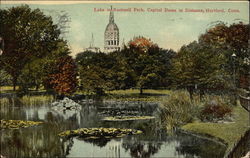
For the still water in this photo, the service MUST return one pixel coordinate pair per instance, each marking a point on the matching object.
(43, 140)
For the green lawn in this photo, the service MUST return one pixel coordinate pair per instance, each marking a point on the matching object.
(137, 91)
(149, 95)
(229, 133)
(7, 89)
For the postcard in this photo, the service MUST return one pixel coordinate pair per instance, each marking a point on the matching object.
(116, 79)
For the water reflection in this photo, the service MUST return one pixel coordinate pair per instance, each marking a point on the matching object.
(139, 149)
(43, 140)
(34, 142)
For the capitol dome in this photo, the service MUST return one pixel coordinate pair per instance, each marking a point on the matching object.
(111, 27)
(111, 35)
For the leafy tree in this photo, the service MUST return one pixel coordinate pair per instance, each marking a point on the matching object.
(94, 79)
(149, 63)
(27, 33)
(198, 66)
(5, 78)
(93, 69)
(31, 75)
(63, 80)
(231, 39)
(123, 76)
(141, 64)
(37, 71)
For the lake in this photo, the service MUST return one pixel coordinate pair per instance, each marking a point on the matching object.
(43, 140)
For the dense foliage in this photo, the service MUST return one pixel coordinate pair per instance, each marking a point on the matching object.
(177, 109)
(140, 64)
(214, 112)
(231, 39)
(63, 79)
(199, 67)
(35, 56)
(32, 47)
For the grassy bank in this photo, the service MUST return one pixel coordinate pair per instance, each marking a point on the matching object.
(27, 100)
(149, 95)
(137, 91)
(229, 133)
(7, 89)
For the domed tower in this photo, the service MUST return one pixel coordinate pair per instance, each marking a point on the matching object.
(111, 35)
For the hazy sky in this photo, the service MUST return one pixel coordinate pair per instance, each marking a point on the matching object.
(167, 29)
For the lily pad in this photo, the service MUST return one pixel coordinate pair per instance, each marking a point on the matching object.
(98, 133)
(127, 118)
(16, 124)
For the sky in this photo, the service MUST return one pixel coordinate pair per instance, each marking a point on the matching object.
(168, 29)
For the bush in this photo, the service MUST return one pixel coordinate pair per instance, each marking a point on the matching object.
(177, 109)
(215, 110)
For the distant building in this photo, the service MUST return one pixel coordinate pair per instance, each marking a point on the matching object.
(91, 47)
(111, 35)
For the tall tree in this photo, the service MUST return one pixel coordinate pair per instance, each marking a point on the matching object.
(149, 62)
(232, 39)
(95, 70)
(36, 72)
(27, 33)
(198, 66)
(63, 80)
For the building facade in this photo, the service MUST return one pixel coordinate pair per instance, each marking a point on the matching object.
(111, 35)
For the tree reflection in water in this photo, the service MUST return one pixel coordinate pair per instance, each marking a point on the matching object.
(102, 142)
(67, 145)
(36, 143)
(142, 150)
(192, 146)
(43, 140)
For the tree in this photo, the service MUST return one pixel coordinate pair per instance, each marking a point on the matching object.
(5, 79)
(198, 66)
(32, 75)
(37, 71)
(63, 80)
(96, 73)
(142, 64)
(123, 77)
(231, 39)
(27, 33)
(149, 63)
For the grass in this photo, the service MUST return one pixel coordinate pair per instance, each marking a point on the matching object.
(7, 89)
(177, 109)
(149, 95)
(229, 133)
(137, 91)
(27, 100)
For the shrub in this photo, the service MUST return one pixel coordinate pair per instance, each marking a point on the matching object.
(215, 110)
(177, 109)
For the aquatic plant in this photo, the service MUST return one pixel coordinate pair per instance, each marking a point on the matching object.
(16, 124)
(177, 109)
(127, 118)
(97, 133)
